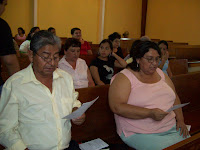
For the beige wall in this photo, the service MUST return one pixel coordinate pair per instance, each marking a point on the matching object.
(66, 14)
(122, 15)
(177, 20)
(19, 13)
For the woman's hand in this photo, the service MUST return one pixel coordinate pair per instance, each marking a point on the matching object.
(165, 56)
(157, 114)
(183, 129)
(79, 120)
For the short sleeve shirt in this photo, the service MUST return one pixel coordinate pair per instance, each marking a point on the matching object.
(105, 69)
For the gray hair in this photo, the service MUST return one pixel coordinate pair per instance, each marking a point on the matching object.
(43, 38)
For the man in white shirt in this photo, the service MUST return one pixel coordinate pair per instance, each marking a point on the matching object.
(35, 100)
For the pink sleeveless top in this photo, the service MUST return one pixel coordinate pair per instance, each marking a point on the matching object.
(156, 95)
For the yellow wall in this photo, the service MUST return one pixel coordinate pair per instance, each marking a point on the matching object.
(177, 20)
(66, 14)
(19, 13)
(122, 15)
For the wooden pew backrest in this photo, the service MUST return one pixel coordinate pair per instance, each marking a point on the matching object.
(99, 121)
(178, 66)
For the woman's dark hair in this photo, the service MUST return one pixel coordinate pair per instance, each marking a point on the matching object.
(1, 1)
(163, 42)
(73, 30)
(139, 51)
(43, 38)
(107, 41)
(71, 42)
(51, 28)
(20, 28)
(135, 43)
(114, 36)
(31, 31)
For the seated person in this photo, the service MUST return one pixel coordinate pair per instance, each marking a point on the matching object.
(74, 65)
(25, 46)
(21, 35)
(35, 99)
(85, 46)
(139, 96)
(164, 63)
(102, 68)
(115, 39)
(52, 30)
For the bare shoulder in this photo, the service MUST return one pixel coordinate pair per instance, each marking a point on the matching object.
(169, 81)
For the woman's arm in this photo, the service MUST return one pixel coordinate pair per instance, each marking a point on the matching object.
(90, 80)
(119, 92)
(164, 58)
(120, 63)
(95, 75)
(169, 71)
(179, 114)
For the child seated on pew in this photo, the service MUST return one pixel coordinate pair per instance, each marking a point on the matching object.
(74, 65)
(102, 68)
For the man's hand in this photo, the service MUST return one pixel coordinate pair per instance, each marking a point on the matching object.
(79, 120)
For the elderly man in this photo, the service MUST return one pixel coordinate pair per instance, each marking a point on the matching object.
(35, 100)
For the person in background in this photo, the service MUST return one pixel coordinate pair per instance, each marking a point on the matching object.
(21, 35)
(35, 100)
(102, 68)
(140, 96)
(74, 65)
(25, 46)
(164, 63)
(52, 30)
(115, 39)
(85, 46)
(125, 34)
(7, 50)
(145, 38)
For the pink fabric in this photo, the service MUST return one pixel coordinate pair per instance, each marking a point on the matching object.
(84, 48)
(21, 38)
(156, 95)
(79, 74)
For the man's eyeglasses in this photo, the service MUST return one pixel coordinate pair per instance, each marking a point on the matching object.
(151, 59)
(48, 59)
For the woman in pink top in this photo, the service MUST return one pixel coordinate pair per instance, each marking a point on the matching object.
(74, 65)
(140, 97)
(21, 35)
(85, 46)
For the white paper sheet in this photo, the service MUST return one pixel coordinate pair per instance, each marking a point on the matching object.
(96, 144)
(80, 110)
(177, 106)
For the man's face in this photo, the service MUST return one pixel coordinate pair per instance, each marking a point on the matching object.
(2, 7)
(45, 61)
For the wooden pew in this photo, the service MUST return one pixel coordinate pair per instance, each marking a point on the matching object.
(192, 143)
(188, 53)
(187, 87)
(99, 121)
(178, 66)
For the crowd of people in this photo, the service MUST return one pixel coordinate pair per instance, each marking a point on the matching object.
(34, 100)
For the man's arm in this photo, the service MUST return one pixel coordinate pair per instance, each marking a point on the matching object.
(9, 107)
(11, 63)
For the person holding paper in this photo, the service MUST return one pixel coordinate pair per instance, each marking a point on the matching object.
(35, 99)
(139, 96)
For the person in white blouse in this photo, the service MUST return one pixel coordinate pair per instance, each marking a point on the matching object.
(74, 65)
(35, 99)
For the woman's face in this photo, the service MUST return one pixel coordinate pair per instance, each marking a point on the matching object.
(37, 30)
(72, 54)
(104, 50)
(163, 48)
(77, 34)
(19, 31)
(149, 62)
(116, 43)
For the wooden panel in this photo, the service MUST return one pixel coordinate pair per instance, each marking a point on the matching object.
(178, 66)
(188, 53)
